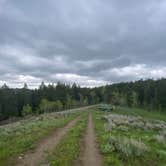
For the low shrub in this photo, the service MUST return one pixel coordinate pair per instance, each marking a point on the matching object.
(127, 146)
(161, 137)
(114, 120)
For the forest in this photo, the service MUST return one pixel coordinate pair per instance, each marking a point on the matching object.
(149, 94)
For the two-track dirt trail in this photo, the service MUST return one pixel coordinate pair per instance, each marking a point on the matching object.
(46, 145)
(89, 155)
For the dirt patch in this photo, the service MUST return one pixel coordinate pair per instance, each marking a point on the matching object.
(33, 158)
(89, 155)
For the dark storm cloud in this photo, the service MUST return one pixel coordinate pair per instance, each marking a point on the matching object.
(91, 42)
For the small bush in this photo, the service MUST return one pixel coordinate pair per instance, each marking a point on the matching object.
(27, 109)
(161, 137)
(107, 148)
(127, 146)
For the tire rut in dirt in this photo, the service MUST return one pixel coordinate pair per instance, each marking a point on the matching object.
(46, 145)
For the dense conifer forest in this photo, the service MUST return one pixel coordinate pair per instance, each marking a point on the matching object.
(149, 94)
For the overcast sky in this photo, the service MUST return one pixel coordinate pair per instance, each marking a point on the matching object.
(90, 42)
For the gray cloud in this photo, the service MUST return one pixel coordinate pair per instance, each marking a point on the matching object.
(91, 42)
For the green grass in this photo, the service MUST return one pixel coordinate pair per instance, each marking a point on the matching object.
(154, 156)
(22, 136)
(69, 148)
(141, 112)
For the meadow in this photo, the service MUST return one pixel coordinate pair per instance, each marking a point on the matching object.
(124, 137)
(130, 136)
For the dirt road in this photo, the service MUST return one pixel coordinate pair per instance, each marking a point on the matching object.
(46, 145)
(89, 155)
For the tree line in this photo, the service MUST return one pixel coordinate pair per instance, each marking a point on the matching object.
(23, 101)
(150, 94)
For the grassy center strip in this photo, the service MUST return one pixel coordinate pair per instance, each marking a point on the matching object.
(16, 139)
(101, 134)
(67, 151)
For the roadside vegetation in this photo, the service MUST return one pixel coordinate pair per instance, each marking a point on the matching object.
(67, 151)
(16, 138)
(159, 115)
(129, 138)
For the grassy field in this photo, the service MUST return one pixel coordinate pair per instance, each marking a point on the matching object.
(19, 137)
(69, 147)
(126, 137)
(141, 112)
(130, 137)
